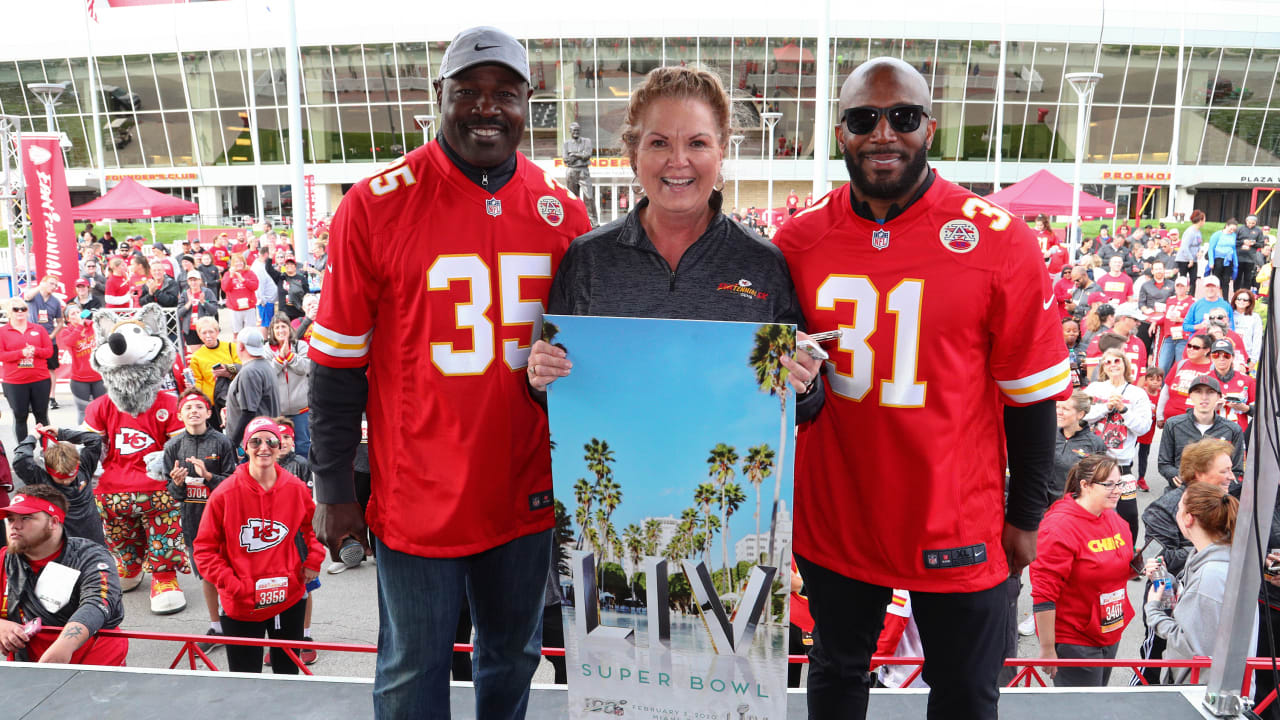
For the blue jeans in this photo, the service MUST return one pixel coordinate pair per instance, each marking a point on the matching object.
(419, 600)
(301, 433)
(1171, 353)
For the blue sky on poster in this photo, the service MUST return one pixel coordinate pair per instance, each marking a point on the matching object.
(662, 393)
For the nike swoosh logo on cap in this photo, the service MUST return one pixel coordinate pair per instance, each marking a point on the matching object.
(480, 47)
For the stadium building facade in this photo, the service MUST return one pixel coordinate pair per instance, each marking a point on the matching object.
(192, 97)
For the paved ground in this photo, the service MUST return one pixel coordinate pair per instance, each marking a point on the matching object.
(346, 605)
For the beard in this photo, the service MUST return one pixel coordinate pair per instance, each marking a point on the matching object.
(21, 545)
(893, 189)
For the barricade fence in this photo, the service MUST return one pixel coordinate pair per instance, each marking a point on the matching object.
(1028, 675)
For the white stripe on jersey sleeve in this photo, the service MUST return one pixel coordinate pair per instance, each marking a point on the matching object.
(1038, 386)
(336, 344)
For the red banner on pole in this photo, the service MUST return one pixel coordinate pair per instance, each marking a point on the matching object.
(53, 235)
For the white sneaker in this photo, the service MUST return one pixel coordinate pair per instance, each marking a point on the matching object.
(1028, 626)
(336, 567)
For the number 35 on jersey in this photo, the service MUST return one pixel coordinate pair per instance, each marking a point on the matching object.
(518, 312)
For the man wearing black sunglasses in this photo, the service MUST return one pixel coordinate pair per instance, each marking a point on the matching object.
(944, 305)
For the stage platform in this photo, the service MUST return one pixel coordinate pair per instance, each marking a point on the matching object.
(57, 692)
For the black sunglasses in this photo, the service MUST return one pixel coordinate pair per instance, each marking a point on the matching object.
(902, 118)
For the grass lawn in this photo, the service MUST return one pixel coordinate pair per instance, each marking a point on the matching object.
(166, 232)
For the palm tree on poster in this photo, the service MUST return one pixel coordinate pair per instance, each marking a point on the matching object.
(771, 343)
(757, 467)
(731, 498)
(681, 544)
(583, 495)
(599, 458)
(633, 542)
(609, 493)
(704, 496)
(722, 461)
(651, 534)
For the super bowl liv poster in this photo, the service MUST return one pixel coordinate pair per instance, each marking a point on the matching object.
(672, 446)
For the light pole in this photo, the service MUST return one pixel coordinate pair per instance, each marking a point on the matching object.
(48, 94)
(737, 169)
(770, 119)
(426, 123)
(1083, 83)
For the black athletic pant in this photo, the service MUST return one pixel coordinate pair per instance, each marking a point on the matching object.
(25, 399)
(1144, 453)
(963, 636)
(1246, 274)
(553, 637)
(1189, 270)
(248, 658)
(1128, 508)
(1223, 272)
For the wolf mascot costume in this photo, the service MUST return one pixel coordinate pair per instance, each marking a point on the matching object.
(143, 523)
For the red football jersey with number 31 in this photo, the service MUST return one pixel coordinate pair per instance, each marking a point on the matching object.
(946, 313)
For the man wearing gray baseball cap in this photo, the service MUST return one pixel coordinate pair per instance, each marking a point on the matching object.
(456, 243)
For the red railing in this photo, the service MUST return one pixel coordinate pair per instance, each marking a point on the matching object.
(1025, 677)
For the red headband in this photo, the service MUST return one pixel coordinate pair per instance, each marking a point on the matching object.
(188, 398)
(26, 505)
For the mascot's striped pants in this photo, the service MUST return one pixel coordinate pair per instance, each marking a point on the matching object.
(144, 532)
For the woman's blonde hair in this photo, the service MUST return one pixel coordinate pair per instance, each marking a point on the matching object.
(683, 83)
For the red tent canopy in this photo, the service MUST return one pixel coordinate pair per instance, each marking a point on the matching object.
(792, 53)
(1045, 193)
(130, 200)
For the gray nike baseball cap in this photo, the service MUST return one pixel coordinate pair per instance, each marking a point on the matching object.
(481, 46)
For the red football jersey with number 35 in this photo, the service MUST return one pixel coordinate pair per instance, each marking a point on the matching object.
(439, 287)
(946, 313)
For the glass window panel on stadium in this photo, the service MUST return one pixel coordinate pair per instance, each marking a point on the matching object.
(174, 110)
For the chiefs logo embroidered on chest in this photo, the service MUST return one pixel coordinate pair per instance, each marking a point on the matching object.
(257, 534)
(130, 441)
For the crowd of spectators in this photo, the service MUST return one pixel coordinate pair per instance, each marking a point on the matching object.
(1159, 327)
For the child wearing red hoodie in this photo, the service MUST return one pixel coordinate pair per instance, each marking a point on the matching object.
(246, 548)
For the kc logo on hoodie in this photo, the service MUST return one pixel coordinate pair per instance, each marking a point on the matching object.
(257, 534)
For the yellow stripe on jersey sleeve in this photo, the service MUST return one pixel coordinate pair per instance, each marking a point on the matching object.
(1039, 386)
(336, 344)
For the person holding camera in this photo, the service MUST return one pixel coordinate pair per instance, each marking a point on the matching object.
(1206, 517)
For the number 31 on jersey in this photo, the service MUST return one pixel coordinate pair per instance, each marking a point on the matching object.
(902, 388)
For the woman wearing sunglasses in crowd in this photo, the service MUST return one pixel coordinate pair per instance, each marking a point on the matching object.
(1248, 326)
(24, 348)
(1121, 412)
(246, 548)
(1083, 555)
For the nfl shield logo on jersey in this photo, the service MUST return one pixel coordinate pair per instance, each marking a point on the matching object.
(880, 239)
(493, 206)
(959, 236)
